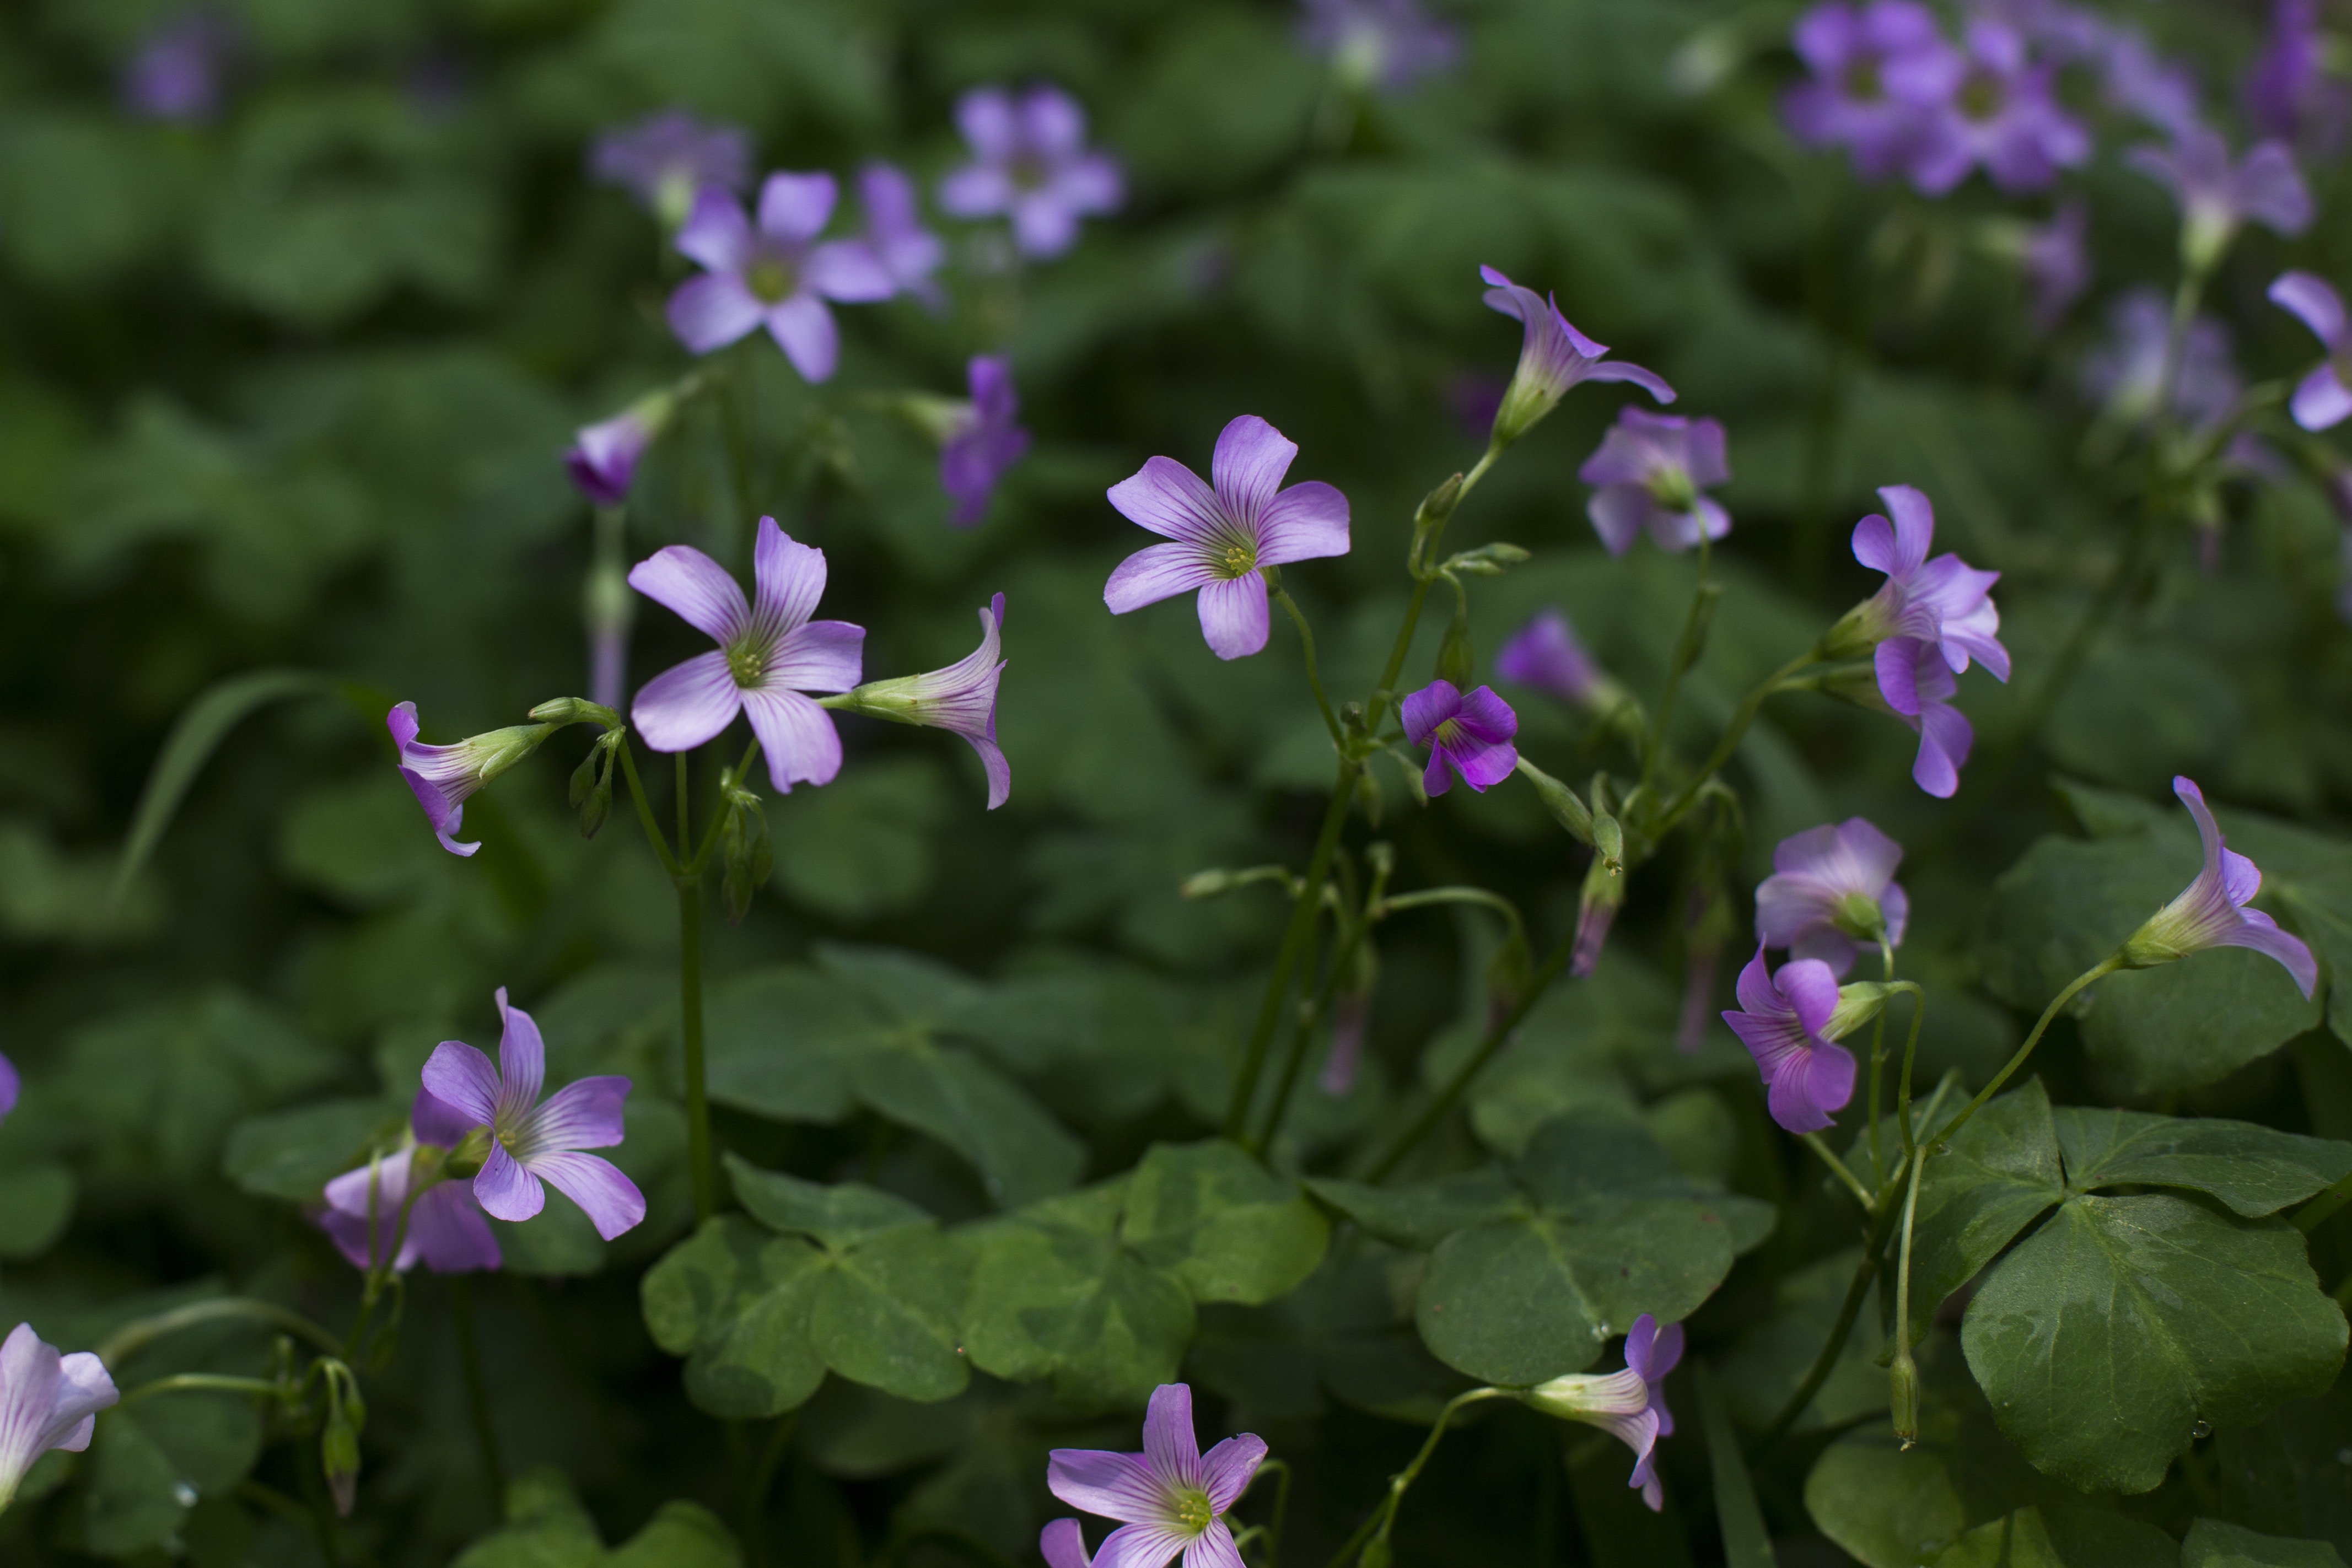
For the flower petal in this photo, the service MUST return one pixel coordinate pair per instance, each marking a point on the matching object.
(979, 191)
(991, 126)
(505, 1189)
(1305, 522)
(801, 744)
(1486, 716)
(611, 1200)
(462, 1078)
(1142, 1545)
(1234, 615)
(522, 1063)
(1945, 738)
(1044, 226)
(2315, 301)
(803, 328)
(694, 588)
(1154, 573)
(716, 235)
(1213, 1548)
(687, 704)
(1649, 381)
(712, 310)
(1169, 1449)
(1812, 989)
(796, 207)
(1914, 527)
(1170, 499)
(848, 271)
(1427, 708)
(1618, 513)
(585, 1114)
(2260, 933)
(1226, 1469)
(1247, 467)
(1064, 1544)
(822, 656)
(1810, 1085)
(446, 1228)
(2320, 401)
(1100, 1481)
(789, 578)
(999, 771)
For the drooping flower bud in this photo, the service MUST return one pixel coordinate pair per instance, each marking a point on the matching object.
(441, 777)
(339, 1443)
(1603, 895)
(604, 456)
(1903, 1396)
(747, 854)
(961, 697)
(1553, 357)
(2212, 911)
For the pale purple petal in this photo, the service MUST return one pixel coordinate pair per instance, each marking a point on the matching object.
(462, 1078)
(1170, 499)
(1710, 464)
(1043, 226)
(1434, 779)
(1810, 1085)
(1649, 381)
(1483, 764)
(1064, 1544)
(1213, 1548)
(584, 1114)
(2270, 189)
(1810, 989)
(1618, 514)
(990, 124)
(1914, 527)
(2315, 301)
(687, 704)
(980, 191)
(1305, 522)
(2321, 401)
(790, 579)
(9, 1086)
(803, 328)
(1150, 575)
(712, 310)
(1089, 184)
(1234, 615)
(1247, 467)
(694, 588)
(822, 656)
(522, 1063)
(848, 271)
(1142, 1545)
(2241, 878)
(2260, 933)
(611, 1200)
(1639, 1340)
(446, 1229)
(1169, 1449)
(1226, 1469)
(801, 744)
(1053, 124)
(992, 763)
(796, 207)
(716, 235)
(1099, 1481)
(505, 1189)
(1945, 738)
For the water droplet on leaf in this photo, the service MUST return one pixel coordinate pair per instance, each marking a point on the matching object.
(2200, 1431)
(184, 1494)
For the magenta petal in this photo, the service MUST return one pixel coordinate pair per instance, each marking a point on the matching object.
(584, 1114)
(1434, 780)
(1425, 709)
(789, 578)
(822, 656)
(803, 328)
(462, 1078)
(401, 722)
(687, 704)
(9, 1086)
(1486, 715)
(716, 235)
(694, 588)
(1064, 1544)
(1247, 467)
(796, 207)
(801, 744)
(1099, 1481)
(1305, 522)
(505, 1189)
(713, 310)
(1812, 989)
(1226, 1469)
(1234, 615)
(611, 1200)
(1170, 499)
(1811, 1085)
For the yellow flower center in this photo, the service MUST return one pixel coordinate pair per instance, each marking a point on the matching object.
(748, 662)
(1193, 1511)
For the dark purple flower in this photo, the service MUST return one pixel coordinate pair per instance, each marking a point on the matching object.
(1171, 1497)
(47, 1400)
(9, 1085)
(1832, 888)
(446, 1228)
(961, 698)
(2289, 92)
(1943, 602)
(442, 777)
(530, 1142)
(603, 458)
(2219, 196)
(1224, 534)
(2057, 263)
(1918, 684)
(1780, 1019)
(1991, 106)
(1029, 163)
(1649, 471)
(1630, 1405)
(666, 160)
(983, 442)
(2123, 374)
(1385, 43)
(2325, 396)
(907, 251)
(769, 653)
(2211, 911)
(1469, 732)
(1851, 51)
(778, 276)
(1553, 357)
(177, 73)
(1545, 654)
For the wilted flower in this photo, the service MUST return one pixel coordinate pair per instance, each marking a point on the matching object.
(769, 653)
(2122, 375)
(1470, 732)
(530, 1143)
(176, 73)
(1553, 357)
(603, 458)
(983, 440)
(1224, 534)
(1377, 43)
(961, 698)
(778, 276)
(1650, 469)
(2211, 911)
(441, 777)
(46, 1401)
(2325, 396)
(1169, 1498)
(1630, 1405)
(1546, 655)
(2289, 92)
(445, 1227)
(907, 251)
(1781, 1020)
(1945, 603)
(1917, 684)
(1988, 105)
(1854, 53)
(666, 160)
(1029, 163)
(2218, 196)
(1832, 887)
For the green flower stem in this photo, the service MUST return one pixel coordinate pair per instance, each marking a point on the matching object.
(1304, 909)
(1384, 1518)
(1310, 1019)
(1837, 1168)
(764, 1480)
(646, 811)
(2185, 300)
(1878, 1064)
(1910, 1055)
(135, 1336)
(684, 838)
(1307, 642)
(202, 1383)
(1654, 738)
(2103, 967)
(1733, 734)
(1280, 1470)
(1903, 1258)
(701, 1165)
(2323, 1206)
(1376, 708)
(703, 851)
(478, 1386)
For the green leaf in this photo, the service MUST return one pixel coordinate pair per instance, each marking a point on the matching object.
(734, 1300)
(1220, 1223)
(1597, 1153)
(2061, 1538)
(546, 1528)
(2253, 1170)
(1745, 1542)
(887, 1313)
(1998, 1174)
(1021, 1151)
(1055, 1296)
(2211, 1543)
(861, 847)
(1422, 1214)
(35, 1203)
(780, 1041)
(1770, 1358)
(291, 1154)
(2108, 1337)
(834, 1216)
(151, 1463)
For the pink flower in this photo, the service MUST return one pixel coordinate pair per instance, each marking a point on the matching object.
(1628, 1405)
(1650, 470)
(51, 1401)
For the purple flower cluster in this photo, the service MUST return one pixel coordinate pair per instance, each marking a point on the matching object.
(1832, 887)
(2219, 195)
(2289, 92)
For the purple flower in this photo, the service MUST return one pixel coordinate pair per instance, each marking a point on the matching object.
(907, 251)
(46, 1401)
(1545, 654)
(603, 458)
(1780, 1020)
(778, 276)
(2325, 396)
(1650, 469)
(2135, 79)
(1388, 43)
(176, 73)
(2211, 911)
(441, 777)
(666, 160)
(769, 653)
(1169, 1498)
(445, 1227)
(1470, 732)
(532, 1143)
(2289, 93)
(2218, 197)
(1945, 602)
(1629, 1404)
(1596, 913)
(1854, 53)
(2123, 374)
(983, 442)
(1987, 106)
(1553, 357)
(1029, 163)
(9, 1085)
(1064, 1544)
(1918, 684)
(1224, 533)
(961, 698)
(1832, 887)
(2057, 265)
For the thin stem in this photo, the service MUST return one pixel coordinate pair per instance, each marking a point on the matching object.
(684, 838)
(646, 810)
(2323, 1206)
(1303, 911)
(701, 1165)
(1653, 740)
(1902, 1258)
(2176, 341)
(135, 1337)
(1837, 1168)
(202, 1382)
(1733, 733)
(478, 1386)
(1310, 1019)
(1377, 707)
(1385, 1517)
(2103, 967)
(1910, 1055)
(1314, 673)
(1878, 1063)
(702, 850)
(755, 1497)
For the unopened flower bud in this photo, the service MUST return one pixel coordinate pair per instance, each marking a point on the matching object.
(1857, 1004)
(604, 456)
(339, 1447)
(1457, 658)
(442, 777)
(1604, 895)
(1567, 809)
(575, 710)
(1903, 1398)
(749, 856)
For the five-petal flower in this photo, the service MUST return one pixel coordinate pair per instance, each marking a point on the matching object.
(47, 1400)
(1832, 888)
(1651, 470)
(778, 276)
(1780, 1019)
(961, 697)
(1029, 163)
(1169, 1498)
(1469, 732)
(2212, 911)
(1630, 1405)
(983, 441)
(1553, 357)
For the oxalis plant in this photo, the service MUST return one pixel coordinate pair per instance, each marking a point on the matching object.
(1978, 1228)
